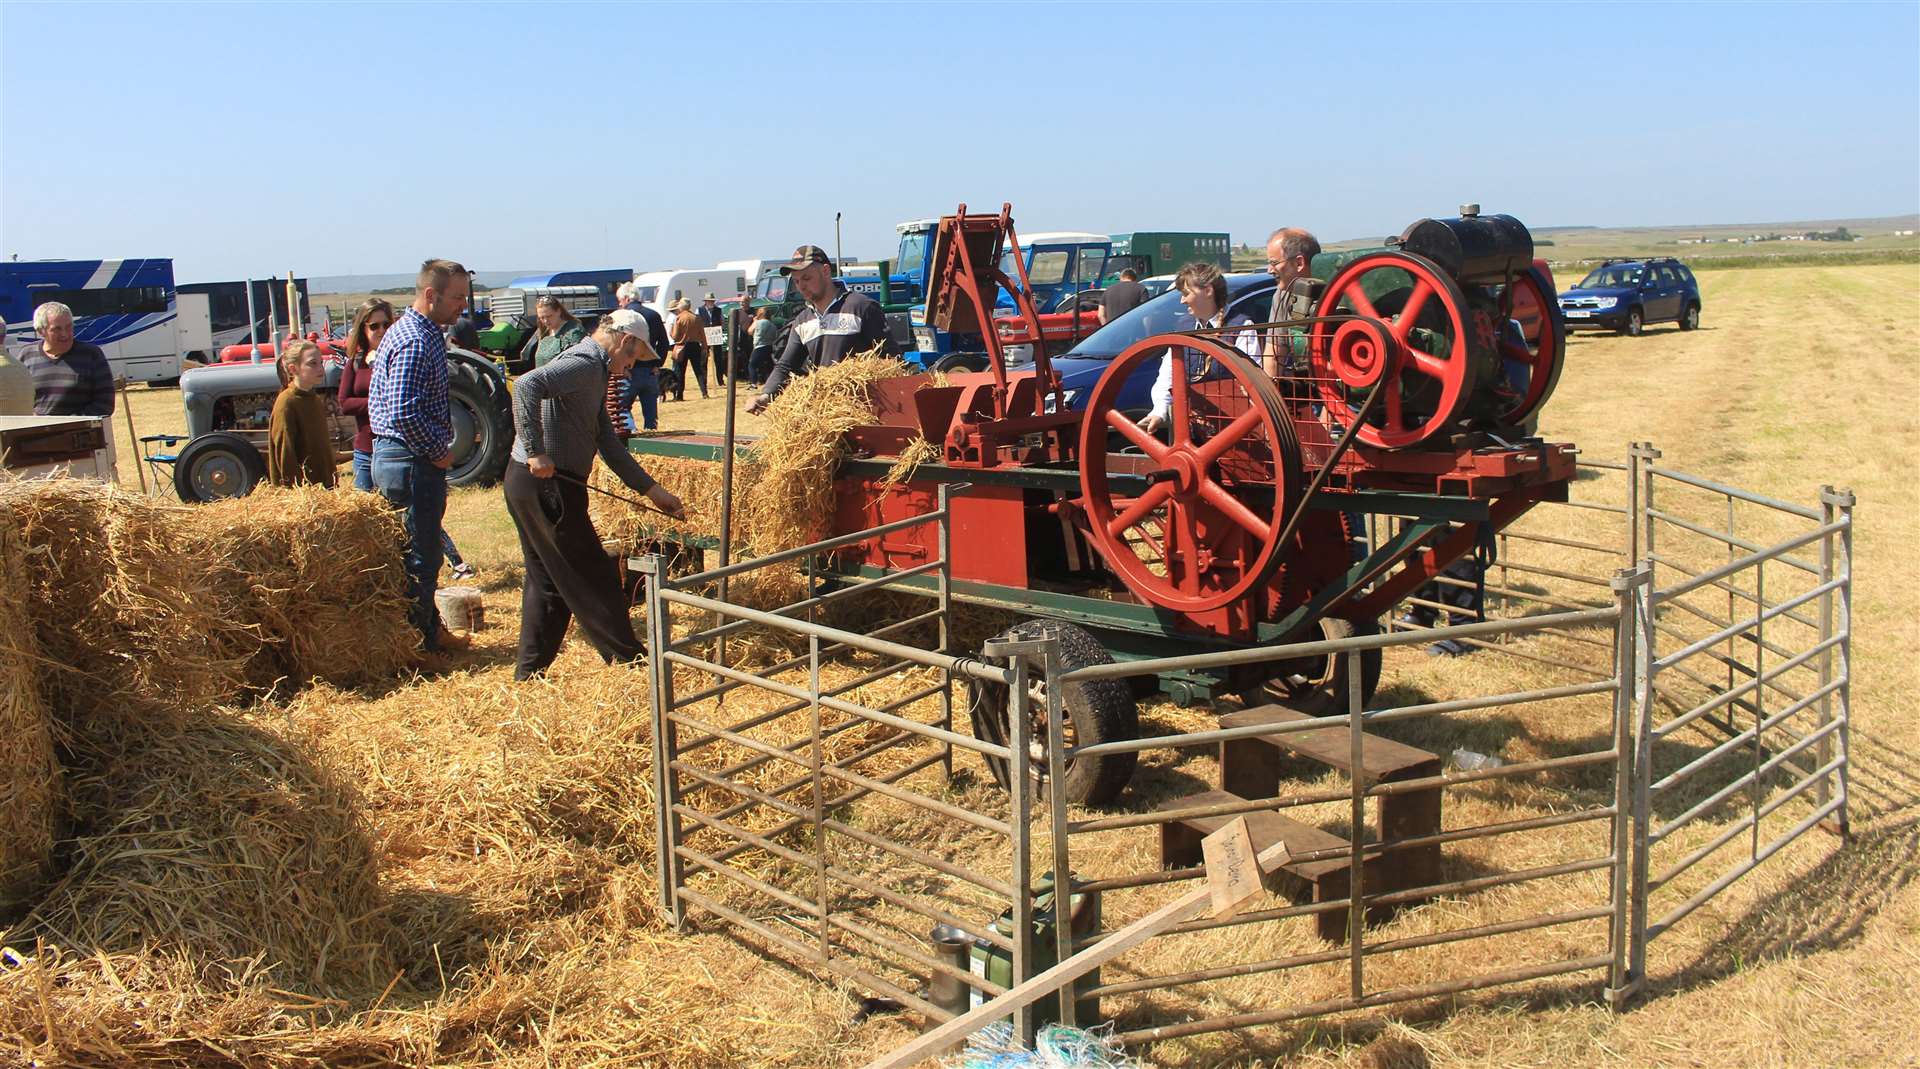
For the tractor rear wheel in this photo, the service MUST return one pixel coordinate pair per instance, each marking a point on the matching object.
(217, 465)
(482, 416)
(1097, 711)
(961, 362)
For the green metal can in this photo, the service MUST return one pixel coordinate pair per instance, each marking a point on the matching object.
(996, 965)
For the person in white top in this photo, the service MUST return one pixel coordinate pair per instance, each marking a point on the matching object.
(1203, 289)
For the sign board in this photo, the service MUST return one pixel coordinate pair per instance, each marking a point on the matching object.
(716, 336)
(1233, 872)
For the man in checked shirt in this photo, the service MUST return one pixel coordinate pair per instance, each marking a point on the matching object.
(412, 431)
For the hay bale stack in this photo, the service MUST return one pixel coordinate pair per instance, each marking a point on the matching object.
(226, 844)
(316, 577)
(29, 772)
(124, 616)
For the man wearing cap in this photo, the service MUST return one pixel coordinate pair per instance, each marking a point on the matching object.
(560, 421)
(836, 323)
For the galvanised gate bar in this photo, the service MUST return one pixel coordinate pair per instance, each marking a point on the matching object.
(1671, 726)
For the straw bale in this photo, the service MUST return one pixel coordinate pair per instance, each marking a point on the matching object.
(224, 842)
(316, 576)
(126, 618)
(30, 788)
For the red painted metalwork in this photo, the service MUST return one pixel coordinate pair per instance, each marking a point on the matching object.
(1431, 388)
(1207, 532)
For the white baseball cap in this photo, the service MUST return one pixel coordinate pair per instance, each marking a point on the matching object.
(626, 321)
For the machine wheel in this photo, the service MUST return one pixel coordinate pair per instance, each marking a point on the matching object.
(1319, 684)
(1634, 323)
(1546, 349)
(1100, 711)
(1432, 377)
(961, 362)
(217, 465)
(1690, 319)
(482, 417)
(1205, 532)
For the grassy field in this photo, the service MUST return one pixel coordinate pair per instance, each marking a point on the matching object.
(1799, 377)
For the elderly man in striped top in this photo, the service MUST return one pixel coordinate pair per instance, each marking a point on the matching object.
(560, 421)
(412, 430)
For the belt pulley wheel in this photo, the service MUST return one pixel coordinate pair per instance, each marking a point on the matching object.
(1430, 379)
(1206, 531)
(1534, 304)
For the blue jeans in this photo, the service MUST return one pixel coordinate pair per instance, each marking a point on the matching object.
(414, 484)
(363, 480)
(642, 385)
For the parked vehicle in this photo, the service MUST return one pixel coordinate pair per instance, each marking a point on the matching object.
(1626, 295)
(1059, 265)
(1155, 252)
(519, 295)
(659, 289)
(126, 307)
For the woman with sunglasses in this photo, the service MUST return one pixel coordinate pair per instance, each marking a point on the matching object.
(370, 325)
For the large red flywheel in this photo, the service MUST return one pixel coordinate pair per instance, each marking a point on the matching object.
(1531, 302)
(1432, 374)
(1205, 531)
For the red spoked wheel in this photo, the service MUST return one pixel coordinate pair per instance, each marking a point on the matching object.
(1206, 531)
(1430, 378)
(1534, 305)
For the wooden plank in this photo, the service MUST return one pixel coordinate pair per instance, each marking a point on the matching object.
(1383, 759)
(1057, 978)
(1232, 876)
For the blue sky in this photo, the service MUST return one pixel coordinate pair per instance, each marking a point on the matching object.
(356, 138)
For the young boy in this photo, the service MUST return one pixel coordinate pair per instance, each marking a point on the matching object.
(299, 439)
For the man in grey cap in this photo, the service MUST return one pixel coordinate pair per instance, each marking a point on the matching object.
(836, 323)
(560, 421)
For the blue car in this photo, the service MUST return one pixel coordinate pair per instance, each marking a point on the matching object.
(1626, 295)
(1080, 368)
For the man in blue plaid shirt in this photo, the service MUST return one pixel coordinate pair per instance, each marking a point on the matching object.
(412, 431)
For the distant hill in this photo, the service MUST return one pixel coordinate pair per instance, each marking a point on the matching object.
(370, 283)
(1714, 244)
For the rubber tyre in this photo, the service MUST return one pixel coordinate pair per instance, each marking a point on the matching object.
(953, 362)
(218, 465)
(1319, 684)
(1098, 711)
(482, 415)
(1634, 324)
(1690, 319)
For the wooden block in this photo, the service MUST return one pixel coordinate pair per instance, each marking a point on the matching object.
(1232, 875)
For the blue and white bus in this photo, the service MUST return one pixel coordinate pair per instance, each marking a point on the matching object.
(126, 307)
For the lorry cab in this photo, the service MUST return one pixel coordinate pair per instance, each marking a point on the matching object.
(1058, 263)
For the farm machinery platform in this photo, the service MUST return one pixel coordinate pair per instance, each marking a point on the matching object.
(1403, 394)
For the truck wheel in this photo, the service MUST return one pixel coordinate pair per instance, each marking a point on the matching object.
(1098, 711)
(482, 417)
(1319, 684)
(961, 362)
(1634, 322)
(217, 465)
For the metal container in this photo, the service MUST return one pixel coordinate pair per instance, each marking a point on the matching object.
(950, 947)
(1481, 249)
(996, 965)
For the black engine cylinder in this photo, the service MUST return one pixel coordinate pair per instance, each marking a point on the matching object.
(1479, 249)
